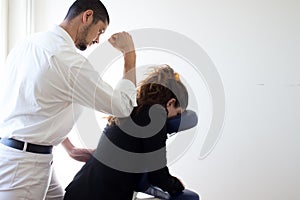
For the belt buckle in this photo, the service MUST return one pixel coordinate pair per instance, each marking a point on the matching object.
(24, 146)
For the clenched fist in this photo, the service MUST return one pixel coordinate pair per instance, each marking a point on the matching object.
(122, 41)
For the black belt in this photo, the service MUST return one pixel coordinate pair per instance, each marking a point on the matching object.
(33, 148)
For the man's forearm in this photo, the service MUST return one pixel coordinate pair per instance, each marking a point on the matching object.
(67, 145)
(129, 66)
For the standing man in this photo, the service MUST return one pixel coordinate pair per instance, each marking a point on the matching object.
(44, 82)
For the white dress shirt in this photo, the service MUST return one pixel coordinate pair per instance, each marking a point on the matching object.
(43, 84)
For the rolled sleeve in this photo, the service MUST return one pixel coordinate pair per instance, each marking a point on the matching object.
(124, 98)
(80, 83)
(91, 91)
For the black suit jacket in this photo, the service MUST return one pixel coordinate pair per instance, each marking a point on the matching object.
(126, 151)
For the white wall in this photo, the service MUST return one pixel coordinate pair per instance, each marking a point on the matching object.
(255, 46)
(4, 32)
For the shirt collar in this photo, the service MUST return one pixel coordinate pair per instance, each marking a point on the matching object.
(64, 34)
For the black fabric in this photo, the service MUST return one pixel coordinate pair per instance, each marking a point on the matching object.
(98, 181)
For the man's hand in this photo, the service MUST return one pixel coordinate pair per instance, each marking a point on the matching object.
(79, 154)
(122, 41)
(82, 155)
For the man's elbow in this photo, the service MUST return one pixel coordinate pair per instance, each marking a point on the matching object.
(123, 103)
(122, 111)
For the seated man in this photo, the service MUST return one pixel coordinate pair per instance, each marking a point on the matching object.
(131, 147)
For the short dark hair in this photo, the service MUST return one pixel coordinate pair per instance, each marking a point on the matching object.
(79, 6)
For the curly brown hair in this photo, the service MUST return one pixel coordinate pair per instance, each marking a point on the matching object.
(161, 85)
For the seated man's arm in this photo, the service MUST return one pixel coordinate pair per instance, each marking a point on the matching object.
(164, 180)
(160, 177)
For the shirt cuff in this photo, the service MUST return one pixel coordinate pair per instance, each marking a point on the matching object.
(127, 87)
(126, 91)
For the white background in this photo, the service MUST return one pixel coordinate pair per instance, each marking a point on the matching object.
(255, 46)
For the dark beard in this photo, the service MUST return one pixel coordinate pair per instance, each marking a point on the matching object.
(81, 46)
(82, 43)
